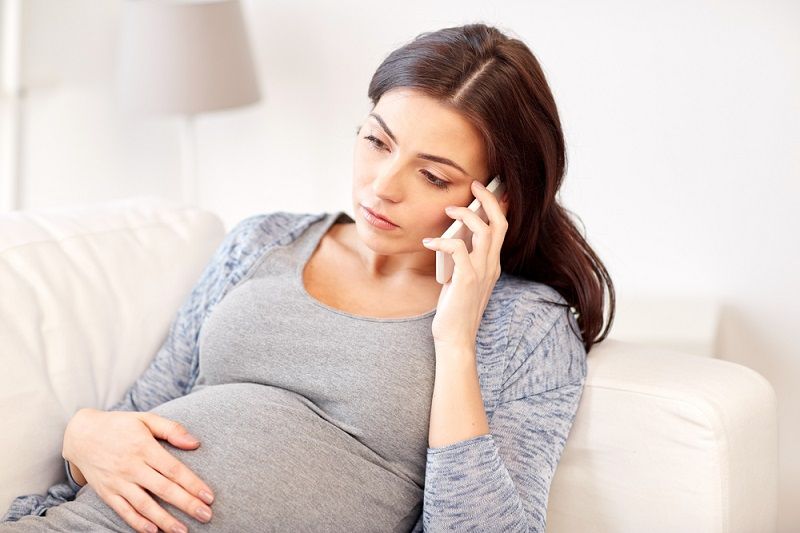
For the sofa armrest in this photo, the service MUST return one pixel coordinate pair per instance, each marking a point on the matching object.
(667, 441)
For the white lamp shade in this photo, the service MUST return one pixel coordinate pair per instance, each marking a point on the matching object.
(184, 57)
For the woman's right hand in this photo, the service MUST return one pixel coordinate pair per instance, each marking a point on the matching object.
(119, 456)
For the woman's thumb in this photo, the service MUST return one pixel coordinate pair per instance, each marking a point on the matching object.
(170, 430)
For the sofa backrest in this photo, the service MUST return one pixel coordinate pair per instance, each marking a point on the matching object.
(87, 294)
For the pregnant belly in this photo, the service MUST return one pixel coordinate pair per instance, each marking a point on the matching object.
(275, 465)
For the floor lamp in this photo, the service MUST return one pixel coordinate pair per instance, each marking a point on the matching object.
(183, 59)
(12, 93)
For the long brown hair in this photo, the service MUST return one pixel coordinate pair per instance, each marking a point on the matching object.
(496, 82)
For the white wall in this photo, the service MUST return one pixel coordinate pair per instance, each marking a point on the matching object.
(682, 123)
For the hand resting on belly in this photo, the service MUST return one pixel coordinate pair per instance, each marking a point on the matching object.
(118, 455)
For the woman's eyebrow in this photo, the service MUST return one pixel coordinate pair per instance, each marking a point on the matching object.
(429, 157)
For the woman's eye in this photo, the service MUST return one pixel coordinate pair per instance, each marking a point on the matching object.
(433, 180)
(376, 143)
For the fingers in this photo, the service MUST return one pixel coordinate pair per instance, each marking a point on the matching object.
(495, 212)
(481, 234)
(175, 483)
(169, 430)
(164, 462)
(458, 249)
(149, 509)
(121, 506)
(173, 469)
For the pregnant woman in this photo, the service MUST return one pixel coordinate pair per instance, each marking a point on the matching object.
(319, 378)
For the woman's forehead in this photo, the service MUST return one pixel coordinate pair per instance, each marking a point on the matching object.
(419, 122)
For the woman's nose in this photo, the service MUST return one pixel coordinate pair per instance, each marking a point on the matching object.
(388, 184)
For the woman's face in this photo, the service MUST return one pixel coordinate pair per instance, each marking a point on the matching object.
(394, 176)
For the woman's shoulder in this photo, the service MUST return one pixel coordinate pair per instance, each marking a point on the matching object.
(276, 227)
(527, 301)
(541, 336)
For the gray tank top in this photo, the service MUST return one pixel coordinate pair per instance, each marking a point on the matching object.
(310, 418)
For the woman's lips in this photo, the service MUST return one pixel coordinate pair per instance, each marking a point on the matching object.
(378, 220)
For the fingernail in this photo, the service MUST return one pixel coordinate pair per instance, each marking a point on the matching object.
(426, 241)
(206, 496)
(192, 440)
(151, 528)
(179, 529)
(478, 184)
(203, 514)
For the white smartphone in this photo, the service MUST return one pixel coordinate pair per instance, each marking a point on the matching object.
(458, 230)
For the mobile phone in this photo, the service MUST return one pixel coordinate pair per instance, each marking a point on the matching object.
(458, 230)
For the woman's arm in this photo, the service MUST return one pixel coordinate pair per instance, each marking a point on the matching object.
(500, 481)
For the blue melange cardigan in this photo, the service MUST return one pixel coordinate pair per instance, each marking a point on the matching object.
(532, 369)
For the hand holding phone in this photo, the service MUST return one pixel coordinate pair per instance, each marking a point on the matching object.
(459, 230)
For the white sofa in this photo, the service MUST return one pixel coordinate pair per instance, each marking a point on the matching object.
(663, 441)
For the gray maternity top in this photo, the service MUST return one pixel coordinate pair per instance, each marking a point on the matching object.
(310, 418)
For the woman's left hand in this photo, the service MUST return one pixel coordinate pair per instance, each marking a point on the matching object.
(464, 298)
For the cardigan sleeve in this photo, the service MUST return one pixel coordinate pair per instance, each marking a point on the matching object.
(500, 481)
(173, 368)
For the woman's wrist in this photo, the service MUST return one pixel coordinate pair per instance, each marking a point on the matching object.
(73, 472)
